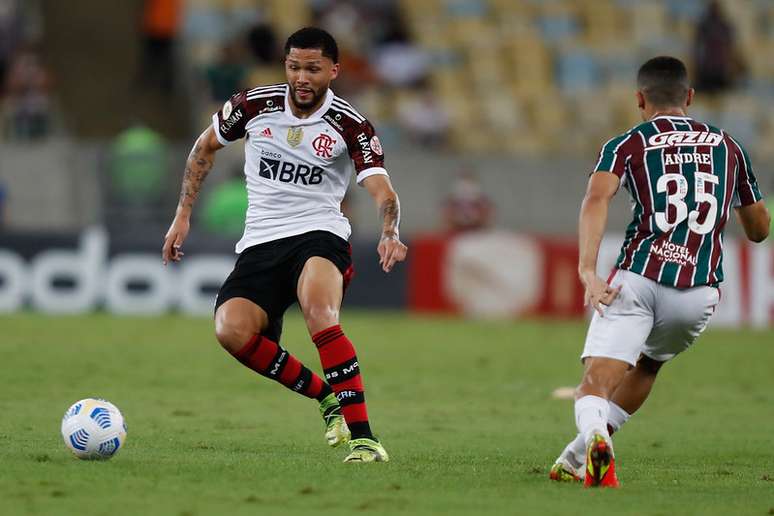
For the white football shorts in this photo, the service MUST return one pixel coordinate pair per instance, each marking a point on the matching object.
(649, 318)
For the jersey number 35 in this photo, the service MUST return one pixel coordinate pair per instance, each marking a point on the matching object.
(676, 199)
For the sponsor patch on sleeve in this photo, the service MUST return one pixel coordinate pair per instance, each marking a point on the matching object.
(376, 145)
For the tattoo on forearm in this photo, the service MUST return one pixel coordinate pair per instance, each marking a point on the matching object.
(196, 169)
(390, 211)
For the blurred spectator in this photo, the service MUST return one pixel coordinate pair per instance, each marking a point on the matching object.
(467, 208)
(262, 43)
(9, 34)
(718, 64)
(401, 64)
(160, 25)
(227, 74)
(342, 18)
(138, 165)
(27, 103)
(225, 208)
(423, 117)
(399, 61)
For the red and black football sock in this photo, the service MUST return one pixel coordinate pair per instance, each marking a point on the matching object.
(271, 360)
(339, 362)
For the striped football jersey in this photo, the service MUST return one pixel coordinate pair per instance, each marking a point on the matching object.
(683, 177)
(297, 170)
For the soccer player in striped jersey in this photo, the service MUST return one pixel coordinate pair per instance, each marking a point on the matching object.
(684, 178)
(302, 144)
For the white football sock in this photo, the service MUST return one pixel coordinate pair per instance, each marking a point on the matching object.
(591, 414)
(575, 452)
(616, 418)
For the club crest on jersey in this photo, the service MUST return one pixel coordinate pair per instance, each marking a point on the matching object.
(323, 145)
(683, 139)
(295, 135)
(227, 109)
(376, 145)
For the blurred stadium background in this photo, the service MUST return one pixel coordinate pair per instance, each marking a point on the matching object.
(491, 113)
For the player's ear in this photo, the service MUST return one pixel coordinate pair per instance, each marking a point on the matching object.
(335, 71)
(640, 100)
(689, 97)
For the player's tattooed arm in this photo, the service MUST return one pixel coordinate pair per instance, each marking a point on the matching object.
(391, 250)
(390, 212)
(197, 166)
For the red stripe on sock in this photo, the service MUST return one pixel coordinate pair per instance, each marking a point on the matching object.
(328, 339)
(321, 338)
(314, 387)
(326, 331)
(248, 349)
(335, 348)
(290, 372)
(356, 413)
(353, 384)
(337, 352)
(261, 359)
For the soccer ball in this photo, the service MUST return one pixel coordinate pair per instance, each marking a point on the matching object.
(93, 429)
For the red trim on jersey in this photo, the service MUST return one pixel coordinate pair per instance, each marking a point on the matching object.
(638, 174)
(694, 241)
(656, 265)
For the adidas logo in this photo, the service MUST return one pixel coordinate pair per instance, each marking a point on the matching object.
(266, 133)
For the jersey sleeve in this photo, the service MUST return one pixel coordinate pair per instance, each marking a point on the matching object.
(746, 191)
(614, 155)
(366, 151)
(230, 121)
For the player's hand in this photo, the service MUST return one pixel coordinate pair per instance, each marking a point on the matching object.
(173, 240)
(391, 251)
(597, 292)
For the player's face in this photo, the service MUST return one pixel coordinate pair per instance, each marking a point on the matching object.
(309, 75)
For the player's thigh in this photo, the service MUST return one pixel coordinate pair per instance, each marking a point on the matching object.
(237, 320)
(681, 316)
(320, 290)
(620, 333)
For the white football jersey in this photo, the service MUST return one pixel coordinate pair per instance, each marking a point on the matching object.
(297, 169)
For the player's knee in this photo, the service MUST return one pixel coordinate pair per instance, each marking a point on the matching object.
(649, 366)
(232, 333)
(320, 316)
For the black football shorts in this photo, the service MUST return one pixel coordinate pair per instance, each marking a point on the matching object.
(267, 274)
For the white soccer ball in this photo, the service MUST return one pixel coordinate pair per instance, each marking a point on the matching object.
(93, 429)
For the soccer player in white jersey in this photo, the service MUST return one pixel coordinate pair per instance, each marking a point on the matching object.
(302, 144)
(684, 177)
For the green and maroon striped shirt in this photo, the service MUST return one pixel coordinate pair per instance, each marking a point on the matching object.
(683, 177)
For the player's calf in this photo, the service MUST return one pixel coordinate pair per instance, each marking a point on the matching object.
(342, 371)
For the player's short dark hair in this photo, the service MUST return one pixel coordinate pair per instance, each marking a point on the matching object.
(312, 37)
(664, 81)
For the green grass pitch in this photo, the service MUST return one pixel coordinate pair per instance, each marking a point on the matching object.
(464, 408)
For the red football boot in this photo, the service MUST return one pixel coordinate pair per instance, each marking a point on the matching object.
(600, 464)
